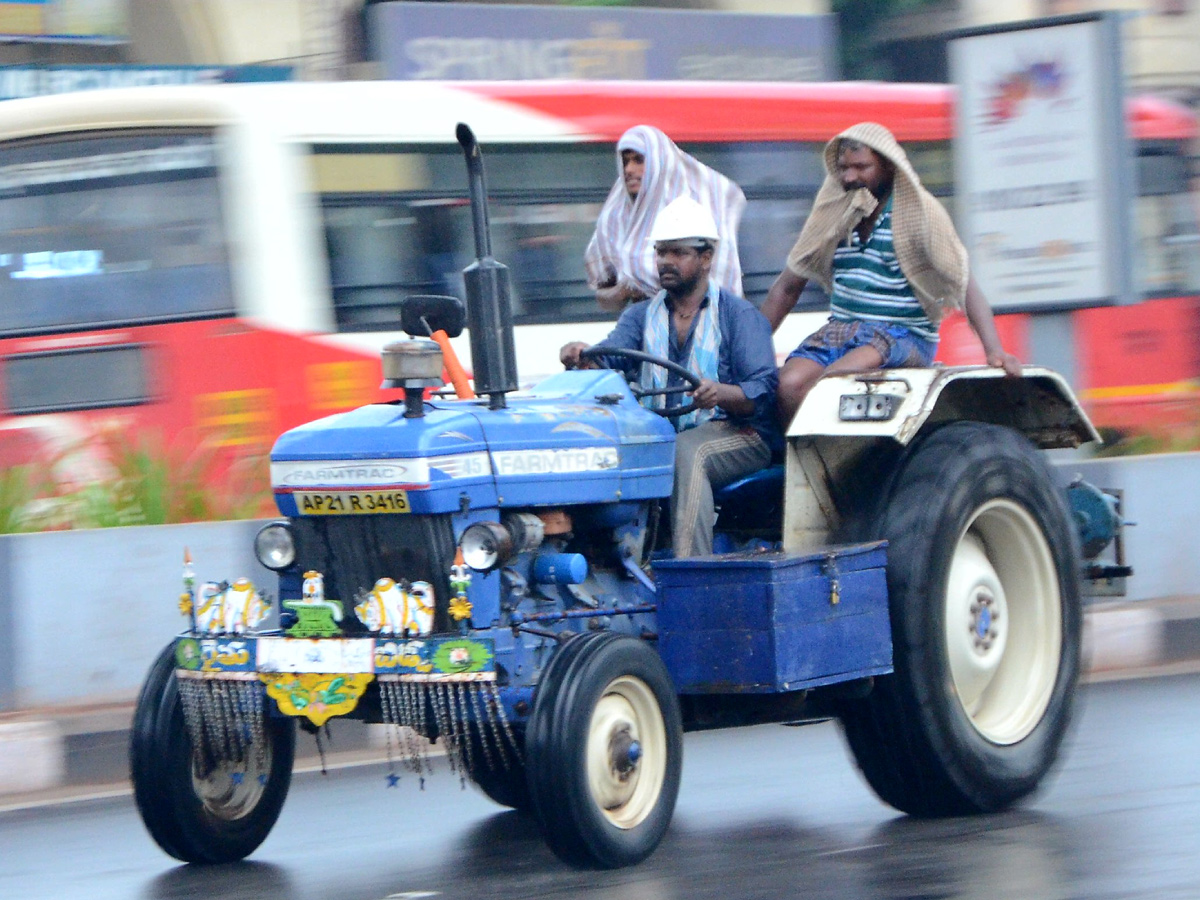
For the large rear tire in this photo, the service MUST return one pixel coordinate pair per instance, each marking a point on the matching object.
(983, 586)
(199, 808)
(604, 750)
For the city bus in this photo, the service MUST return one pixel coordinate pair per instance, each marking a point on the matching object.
(213, 264)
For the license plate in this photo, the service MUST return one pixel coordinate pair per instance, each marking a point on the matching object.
(351, 503)
(334, 656)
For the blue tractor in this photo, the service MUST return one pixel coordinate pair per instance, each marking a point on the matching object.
(489, 573)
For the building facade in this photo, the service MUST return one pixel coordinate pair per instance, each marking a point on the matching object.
(324, 39)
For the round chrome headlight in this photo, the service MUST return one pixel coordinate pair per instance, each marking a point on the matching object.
(486, 545)
(274, 546)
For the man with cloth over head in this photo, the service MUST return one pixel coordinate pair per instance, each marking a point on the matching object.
(886, 251)
(652, 171)
(721, 338)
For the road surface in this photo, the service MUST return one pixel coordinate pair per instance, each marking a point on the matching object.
(769, 812)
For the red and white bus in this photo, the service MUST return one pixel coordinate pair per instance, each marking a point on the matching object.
(218, 263)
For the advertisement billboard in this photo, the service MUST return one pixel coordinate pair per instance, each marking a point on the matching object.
(1043, 165)
(475, 41)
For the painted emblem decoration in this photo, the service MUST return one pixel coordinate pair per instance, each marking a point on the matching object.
(187, 599)
(316, 616)
(460, 580)
(187, 654)
(403, 656)
(403, 609)
(227, 656)
(316, 697)
(459, 657)
(436, 659)
(224, 608)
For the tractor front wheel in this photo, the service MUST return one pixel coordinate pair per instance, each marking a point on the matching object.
(214, 803)
(604, 750)
(500, 774)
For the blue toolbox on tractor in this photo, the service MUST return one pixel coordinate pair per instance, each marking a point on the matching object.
(773, 622)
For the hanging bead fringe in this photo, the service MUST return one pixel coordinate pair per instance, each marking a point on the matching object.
(224, 720)
(467, 716)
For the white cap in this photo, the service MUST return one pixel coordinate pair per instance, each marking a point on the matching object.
(684, 219)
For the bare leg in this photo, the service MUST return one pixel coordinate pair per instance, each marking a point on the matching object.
(860, 359)
(798, 375)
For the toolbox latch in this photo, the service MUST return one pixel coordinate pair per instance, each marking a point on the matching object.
(830, 571)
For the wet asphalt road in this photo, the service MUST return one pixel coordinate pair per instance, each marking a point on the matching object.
(768, 812)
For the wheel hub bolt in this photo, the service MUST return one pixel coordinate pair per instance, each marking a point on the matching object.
(983, 621)
(625, 752)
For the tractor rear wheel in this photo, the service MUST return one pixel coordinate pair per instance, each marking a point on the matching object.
(983, 586)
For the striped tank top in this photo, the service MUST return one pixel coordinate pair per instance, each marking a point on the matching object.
(868, 283)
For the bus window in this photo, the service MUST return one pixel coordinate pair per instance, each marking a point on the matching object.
(544, 243)
(85, 378)
(110, 230)
(934, 164)
(780, 181)
(403, 227)
(515, 170)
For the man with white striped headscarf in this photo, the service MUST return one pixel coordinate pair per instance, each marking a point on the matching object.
(651, 172)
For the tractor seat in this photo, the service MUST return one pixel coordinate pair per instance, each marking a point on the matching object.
(753, 499)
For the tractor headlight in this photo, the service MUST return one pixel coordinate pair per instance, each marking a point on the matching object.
(864, 407)
(274, 546)
(486, 546)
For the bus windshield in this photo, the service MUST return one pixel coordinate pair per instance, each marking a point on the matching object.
(110, 230)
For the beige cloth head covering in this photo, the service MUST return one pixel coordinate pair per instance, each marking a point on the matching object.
(930, 254)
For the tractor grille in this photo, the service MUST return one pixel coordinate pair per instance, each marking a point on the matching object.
(353, 552)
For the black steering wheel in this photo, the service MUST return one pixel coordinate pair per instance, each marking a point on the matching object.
(670, 412)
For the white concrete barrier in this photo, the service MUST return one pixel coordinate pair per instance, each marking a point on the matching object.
(88, 611)
(32, 756)
(1128, 638)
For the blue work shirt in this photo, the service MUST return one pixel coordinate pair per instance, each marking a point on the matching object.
(747, 358)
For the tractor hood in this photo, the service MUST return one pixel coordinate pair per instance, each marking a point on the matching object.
(578, 437)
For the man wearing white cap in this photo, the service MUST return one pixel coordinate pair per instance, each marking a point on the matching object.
(726, 342)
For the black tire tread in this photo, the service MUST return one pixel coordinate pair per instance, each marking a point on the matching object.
(558, 718)
(898, 734)
(160, 769)
(507, 786)
(147, 775)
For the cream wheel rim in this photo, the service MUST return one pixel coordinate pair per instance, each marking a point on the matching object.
(626, 754)
(231, 790)
(1003, 622)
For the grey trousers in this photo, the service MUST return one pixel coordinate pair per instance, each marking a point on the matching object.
(707, 458)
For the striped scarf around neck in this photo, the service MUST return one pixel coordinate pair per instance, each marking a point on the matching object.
(703, 358)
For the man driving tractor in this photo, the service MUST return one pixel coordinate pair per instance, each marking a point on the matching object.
(730, 430)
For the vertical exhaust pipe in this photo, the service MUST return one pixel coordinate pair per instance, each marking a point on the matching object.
(489, 292)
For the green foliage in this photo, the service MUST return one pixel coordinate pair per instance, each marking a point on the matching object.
(1139, 443)
(143, 483)
(16, 492)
